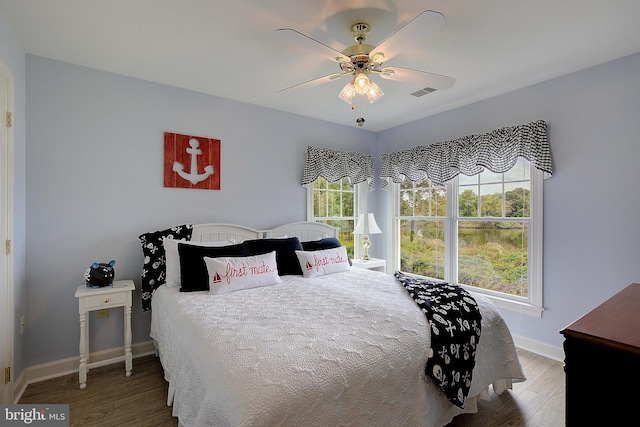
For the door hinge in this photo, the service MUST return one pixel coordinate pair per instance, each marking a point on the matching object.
(9, 119)
(7, 246)
(7, 375)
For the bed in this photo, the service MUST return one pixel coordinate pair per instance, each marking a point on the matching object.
(346, 347)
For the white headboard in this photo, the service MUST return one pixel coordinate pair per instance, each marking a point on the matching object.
(215, 232)
(303, 230)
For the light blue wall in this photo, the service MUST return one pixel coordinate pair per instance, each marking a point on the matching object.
(591, 204)
(13, 57)
(95, 182)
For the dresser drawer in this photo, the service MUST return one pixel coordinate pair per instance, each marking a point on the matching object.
(602, 348)
(96, 302)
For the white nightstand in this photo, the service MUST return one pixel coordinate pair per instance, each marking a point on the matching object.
(89, 299)
(372, 264)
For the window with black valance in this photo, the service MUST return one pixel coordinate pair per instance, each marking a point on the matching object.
(497, 151)
(333, 165)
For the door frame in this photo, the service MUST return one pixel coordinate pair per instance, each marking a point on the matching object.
(7, 310)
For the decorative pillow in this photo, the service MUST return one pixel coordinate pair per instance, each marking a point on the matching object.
(327, 261)
(285, 252)
(320, 244)
(153, 269)
(325, 243)
(193, 270)
(230, 274)
(172, 258)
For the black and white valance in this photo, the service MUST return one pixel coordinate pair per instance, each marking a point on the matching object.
(333, 165)
(497, 151)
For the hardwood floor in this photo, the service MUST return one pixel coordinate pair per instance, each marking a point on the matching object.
(537, 402)
(111, 399)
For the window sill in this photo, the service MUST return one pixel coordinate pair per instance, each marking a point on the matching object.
(515, 306)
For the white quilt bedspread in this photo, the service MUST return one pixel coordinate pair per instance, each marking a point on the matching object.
(346, 349)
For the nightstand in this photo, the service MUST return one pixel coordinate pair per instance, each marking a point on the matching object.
(89, 299)
(372, 264)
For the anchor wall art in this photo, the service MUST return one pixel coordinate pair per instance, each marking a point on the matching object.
(191, 161)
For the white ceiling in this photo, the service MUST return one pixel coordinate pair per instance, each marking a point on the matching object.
(228, 47)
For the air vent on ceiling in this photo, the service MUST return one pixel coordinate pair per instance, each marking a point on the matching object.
(423, 91)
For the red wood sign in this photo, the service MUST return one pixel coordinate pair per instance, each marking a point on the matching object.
(191, 161)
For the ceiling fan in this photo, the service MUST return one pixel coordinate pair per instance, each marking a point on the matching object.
(361, 60)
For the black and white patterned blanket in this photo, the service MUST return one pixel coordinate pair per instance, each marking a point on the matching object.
(455, 332)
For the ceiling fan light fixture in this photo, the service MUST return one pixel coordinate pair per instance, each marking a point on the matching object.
(374, 93)
(347, 93)
(360, 61)
(362, 83)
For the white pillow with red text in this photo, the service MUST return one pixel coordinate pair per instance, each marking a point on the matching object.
(326, 261)
(229, 274)
(172, 258)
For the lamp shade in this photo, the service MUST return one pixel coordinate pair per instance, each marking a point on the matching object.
(374, 93)
(367, 225)
(347, 93)
(362, 83)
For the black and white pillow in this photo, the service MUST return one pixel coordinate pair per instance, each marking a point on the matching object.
(172, 257)
(285, 253)
(154, 266)
(193, 268)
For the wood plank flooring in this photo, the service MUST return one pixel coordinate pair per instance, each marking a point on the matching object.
(537, 402)
(111, 399)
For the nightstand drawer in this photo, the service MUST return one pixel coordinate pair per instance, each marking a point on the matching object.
(93, 302)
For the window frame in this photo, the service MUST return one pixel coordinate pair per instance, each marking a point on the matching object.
(532, 304)
(360, 206)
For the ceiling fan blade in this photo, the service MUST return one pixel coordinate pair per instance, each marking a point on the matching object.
(418, 28)
(423, 78)
(316, 81)
(310, 45)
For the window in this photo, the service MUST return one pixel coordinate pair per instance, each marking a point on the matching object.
(332, 196)
(422, 224)
(336, 204)
(483, 231)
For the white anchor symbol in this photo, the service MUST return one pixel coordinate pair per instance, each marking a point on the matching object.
(194, 177)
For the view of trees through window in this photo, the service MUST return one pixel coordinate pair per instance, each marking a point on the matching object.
(334, 204)
(423, 210)
(492, 223)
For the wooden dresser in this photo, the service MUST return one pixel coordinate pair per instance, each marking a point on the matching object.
(602, 362)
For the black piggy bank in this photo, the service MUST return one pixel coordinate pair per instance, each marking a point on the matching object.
(100, 274)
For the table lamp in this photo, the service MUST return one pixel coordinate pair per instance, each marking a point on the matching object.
(366, 225)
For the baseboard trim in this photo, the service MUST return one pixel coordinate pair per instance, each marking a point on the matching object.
(59, 368)
(539, 347)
